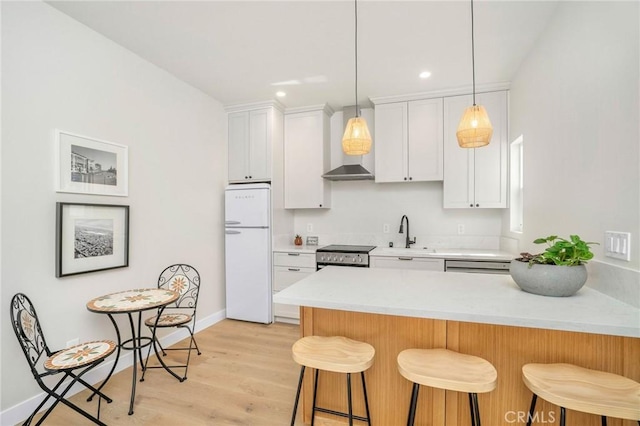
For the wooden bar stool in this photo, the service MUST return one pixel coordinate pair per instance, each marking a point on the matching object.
(449, 370)
(582, 389)
(337, 354)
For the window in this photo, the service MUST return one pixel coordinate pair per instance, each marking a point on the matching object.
(516, 179)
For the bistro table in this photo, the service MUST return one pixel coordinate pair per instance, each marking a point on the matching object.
(130, 302)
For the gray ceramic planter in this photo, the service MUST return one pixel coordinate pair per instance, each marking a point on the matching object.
(548, 280)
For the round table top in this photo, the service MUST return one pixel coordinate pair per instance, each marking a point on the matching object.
(132, 300)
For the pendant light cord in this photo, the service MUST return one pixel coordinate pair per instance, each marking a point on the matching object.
(473, 57)
(356, 50)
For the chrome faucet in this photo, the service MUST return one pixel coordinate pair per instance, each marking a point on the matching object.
(408, 240)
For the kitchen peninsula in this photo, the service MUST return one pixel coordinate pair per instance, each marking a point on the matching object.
(478, 314)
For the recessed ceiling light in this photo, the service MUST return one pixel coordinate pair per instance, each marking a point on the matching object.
(281, 94)
(425, 74)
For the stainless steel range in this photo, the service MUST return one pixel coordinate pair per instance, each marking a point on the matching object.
(343, 255)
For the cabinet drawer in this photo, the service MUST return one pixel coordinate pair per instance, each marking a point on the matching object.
(293, 259)
(419, 263)
(284, 276)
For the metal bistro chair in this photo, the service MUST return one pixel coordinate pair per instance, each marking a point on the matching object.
(44, 362)
(184, 279)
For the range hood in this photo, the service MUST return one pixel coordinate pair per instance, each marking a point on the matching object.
(349, 171)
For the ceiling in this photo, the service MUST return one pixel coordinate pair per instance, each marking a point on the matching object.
(246, 51)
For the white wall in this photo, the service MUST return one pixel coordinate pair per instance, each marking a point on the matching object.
(59, 74)
(575, 99)
(361, 208)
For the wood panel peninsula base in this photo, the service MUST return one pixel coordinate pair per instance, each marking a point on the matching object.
(508, 348)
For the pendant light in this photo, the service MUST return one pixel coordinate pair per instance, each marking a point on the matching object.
(356, 139)
(475, 129)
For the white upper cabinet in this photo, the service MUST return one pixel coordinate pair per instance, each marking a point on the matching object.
(250, 139)
(238, 141)
(409, 141)
(391, 142)
(426, 140)
(307, 158)
(476, 177)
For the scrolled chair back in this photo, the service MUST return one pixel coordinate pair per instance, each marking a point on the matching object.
(27, 329)
(184, 279)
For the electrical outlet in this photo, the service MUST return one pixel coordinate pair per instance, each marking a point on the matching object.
(617, 245)
(385, 228)
(309, 227)
(460, 229)
(73, 342)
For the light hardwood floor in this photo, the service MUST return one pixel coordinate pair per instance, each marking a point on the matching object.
(245, 376)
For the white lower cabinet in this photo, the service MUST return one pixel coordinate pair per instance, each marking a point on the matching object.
(401, 262)
(289, 268)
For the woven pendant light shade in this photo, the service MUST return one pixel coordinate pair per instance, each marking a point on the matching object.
(356, 139)
(475, 129)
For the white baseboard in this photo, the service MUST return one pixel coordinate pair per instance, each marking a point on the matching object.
(19, 412)
(287, 320)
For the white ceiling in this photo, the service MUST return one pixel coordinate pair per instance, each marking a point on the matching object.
(236, 51)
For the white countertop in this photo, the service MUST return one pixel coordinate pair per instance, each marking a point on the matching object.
(480, 298)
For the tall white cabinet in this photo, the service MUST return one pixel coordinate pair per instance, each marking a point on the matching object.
(476, 177)
(251, 132)
(409, 141)
(307, 157)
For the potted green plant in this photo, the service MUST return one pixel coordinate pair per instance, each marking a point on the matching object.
(557, 271)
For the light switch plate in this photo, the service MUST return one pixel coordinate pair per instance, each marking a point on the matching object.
(617, 245)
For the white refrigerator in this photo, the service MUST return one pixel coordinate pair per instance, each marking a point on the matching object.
(248, 252)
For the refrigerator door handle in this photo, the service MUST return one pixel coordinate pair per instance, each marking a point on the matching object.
(232, 222)
(230, 232)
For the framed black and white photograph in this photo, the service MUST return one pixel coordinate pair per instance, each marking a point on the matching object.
(91, 237)
(90, 166)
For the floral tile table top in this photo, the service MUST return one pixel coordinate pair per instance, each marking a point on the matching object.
(133, 300)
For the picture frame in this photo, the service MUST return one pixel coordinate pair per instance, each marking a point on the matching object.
(86, 165)
(91, 237)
